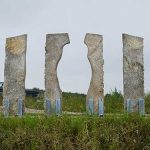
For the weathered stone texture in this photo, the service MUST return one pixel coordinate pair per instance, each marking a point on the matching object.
(54, 49)
(15, 71)
(133, 70)
(94, 43)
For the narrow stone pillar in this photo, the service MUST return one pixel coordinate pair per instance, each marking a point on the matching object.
(133, 72)
(15, 73)
(54, 49)
(94, 43)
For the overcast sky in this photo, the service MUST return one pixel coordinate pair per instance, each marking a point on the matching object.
(109, 18)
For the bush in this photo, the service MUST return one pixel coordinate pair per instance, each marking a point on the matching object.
(75, 133)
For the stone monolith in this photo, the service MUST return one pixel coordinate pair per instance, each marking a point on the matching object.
(14, 74)
(94, 43)
(133, 72)
(54, 50)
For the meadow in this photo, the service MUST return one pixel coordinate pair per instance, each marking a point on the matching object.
(115, 131)
(75, 102)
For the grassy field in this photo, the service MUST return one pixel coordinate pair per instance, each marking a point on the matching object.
(115, 131)
(75, 133)
(74, 102)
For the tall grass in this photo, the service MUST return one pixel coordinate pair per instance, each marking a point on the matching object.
(74, 102)
(75, 133)
(112, 132)
(114, 102)
(147, 103)
(34, 102)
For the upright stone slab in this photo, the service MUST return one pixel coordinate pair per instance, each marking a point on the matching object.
(94, 43)
(133, 72)
(54, 49)
(15, 73)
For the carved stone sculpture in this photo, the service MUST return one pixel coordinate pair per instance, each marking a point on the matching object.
(133, 71)
(54, 49)
(14, 74)
(94, 43)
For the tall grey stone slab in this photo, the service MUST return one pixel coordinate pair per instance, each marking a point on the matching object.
(54, 50)
(94, 43)
(15, 72)
(133, 71)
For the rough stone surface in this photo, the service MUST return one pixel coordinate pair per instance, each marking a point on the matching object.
(133, 70)
(94, 43)
(15, 71)
(54, 49)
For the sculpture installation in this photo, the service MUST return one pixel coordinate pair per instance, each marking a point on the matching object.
(133, 73)
(95, 92)
(14, 75)
(54, 50)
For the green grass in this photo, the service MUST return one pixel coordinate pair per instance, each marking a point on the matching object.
(113, 102)
(115, 131)
(71, 102)
(34, 103)
(147, 103)
(74, 102)
(75, 133)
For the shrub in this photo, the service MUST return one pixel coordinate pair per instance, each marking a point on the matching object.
(75, 132)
